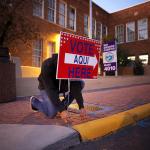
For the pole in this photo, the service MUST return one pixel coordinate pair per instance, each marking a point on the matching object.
(68, 90)
(90, 19)
(59, 84)
(68, 99)
(116, 72)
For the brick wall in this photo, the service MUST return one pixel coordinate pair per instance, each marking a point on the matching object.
(135, 13)
(47, 29)
(100, 15)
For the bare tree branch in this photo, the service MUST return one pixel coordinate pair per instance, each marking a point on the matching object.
(15, 25)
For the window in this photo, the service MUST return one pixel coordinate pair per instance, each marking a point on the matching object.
(99, 31)
(86, 25)
(62, 14)
(104, 30)
(130, 31)
(37, 53)
(144, 59)
(119, 33)
(142, 29)
(38, 8)
(52, 10)
(93, 28)
(72, 18)
(131, 58)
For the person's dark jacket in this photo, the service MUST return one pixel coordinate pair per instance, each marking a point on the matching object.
(47, 81)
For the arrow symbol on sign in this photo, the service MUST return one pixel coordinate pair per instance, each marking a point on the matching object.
(80, 59)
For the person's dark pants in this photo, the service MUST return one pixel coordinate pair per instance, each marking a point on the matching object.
(45, 105)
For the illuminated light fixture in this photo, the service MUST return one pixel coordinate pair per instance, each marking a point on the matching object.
(144, 59)
(54, 39)
(57, 41)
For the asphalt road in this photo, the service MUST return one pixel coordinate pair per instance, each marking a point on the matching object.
(136, 137)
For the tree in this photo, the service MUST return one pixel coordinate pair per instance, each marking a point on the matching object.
(15, 25)
(108, 38)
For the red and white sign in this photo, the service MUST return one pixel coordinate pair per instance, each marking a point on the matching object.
(78, 57)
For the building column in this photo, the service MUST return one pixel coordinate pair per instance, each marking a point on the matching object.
(90, 19)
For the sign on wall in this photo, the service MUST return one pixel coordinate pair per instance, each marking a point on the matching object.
(78, 57)
(110, 56)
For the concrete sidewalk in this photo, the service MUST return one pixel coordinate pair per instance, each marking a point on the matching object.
(18, 123)
(36, 137)
(111, 82)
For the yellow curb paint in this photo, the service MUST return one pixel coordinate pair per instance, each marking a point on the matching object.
(140, 112)
(101, 127)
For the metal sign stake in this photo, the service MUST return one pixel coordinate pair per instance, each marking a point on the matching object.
(68, 98)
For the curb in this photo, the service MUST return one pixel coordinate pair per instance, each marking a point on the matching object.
(100, 127)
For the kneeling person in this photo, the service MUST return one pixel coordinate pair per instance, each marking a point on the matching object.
(49, 102)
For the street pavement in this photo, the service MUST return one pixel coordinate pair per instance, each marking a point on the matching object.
(111, 94)
(135, 137)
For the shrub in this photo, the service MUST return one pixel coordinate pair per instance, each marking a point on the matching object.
(138, 67)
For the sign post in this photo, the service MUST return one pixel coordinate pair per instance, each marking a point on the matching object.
(110, 56)
(78, 57)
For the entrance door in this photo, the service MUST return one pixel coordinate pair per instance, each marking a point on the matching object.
(51, 49)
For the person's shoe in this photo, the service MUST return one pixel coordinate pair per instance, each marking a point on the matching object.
(31, 104)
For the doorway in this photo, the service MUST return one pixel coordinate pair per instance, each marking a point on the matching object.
(51, 49)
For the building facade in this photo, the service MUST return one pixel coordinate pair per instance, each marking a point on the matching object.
(131, 28)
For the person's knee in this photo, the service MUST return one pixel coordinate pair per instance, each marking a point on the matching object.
(51, 114)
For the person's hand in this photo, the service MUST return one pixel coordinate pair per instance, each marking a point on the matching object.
(64, 116)
(83, 114)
